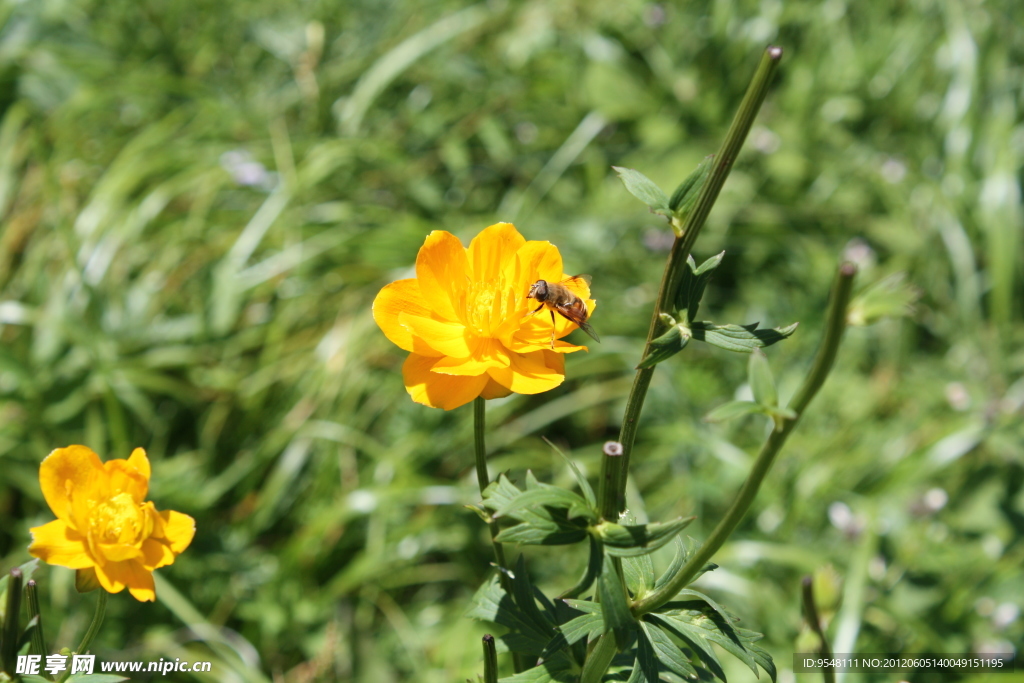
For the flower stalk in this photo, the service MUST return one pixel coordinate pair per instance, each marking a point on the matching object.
(835, 324)
(612, 485)
(90, 634)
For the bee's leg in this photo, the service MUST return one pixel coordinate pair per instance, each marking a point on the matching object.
(552, 330)
(536, 310)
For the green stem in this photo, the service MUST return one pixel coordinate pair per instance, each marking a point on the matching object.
(90, 634)
(612, 484)
(9, 630)
(490, 660)
(836, 323)
(483, 480)
(38, 643)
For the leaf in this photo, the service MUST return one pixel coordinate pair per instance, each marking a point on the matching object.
(618, 620)
(667, 652)
(694, 281)
(697, 620)
(638, 539)
(546, 496)
(592, 571)
(761, 381)
(645, 667)
(492, 603)
(644, 189)
(665, 346)
(697, 642)
(732, 409)
(739, 338)
(686, 194)
(540, 525)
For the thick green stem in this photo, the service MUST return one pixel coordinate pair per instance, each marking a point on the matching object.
(483, 480)
(490, 660)
(38, 642)
(613, 472)
(9, 630)
(836, 323)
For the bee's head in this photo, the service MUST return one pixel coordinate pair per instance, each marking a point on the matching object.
(538, 290)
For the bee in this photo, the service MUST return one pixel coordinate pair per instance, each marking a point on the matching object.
(557, 297)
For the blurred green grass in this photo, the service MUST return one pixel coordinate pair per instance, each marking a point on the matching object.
(200, 200)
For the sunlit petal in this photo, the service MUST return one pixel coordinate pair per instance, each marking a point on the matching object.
(402, 296)
(66, 471)
(492, 249)
(443, 272)
(57, 543)
(437, 390)
(447, 339)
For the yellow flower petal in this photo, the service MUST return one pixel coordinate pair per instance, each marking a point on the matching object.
(125, 477)
(140, 462)
(402, 296)
(156, 554)
(532, 373)
(115, 576)
(442, 271)
(534, 261)
(179, 529)
(118, 552)
(494, 390)
(487, 354)
(436, 390)
(57, 543)
(66, 471)
(493, 249)
(447, 339)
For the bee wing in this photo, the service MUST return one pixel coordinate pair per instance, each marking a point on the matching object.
(576, 312)
(578, 285)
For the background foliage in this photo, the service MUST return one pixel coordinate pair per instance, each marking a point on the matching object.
(199, 201)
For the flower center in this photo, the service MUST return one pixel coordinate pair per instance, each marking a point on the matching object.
(489, 304)
(119, 520)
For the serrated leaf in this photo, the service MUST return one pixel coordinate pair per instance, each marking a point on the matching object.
(732, 409)
(637, 539)
(618, 620)
(667, 652)
(694, 619)
(541, 534)
(694, 281)
(686, 194)
(547, 496)
(492, 603)
(539, 525)
(759, 374)
(666, 345)
(697, 642)
(739, 338)
(644, 189)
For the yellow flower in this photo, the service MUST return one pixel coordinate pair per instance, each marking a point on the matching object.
(104, 525)
(466, 321)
